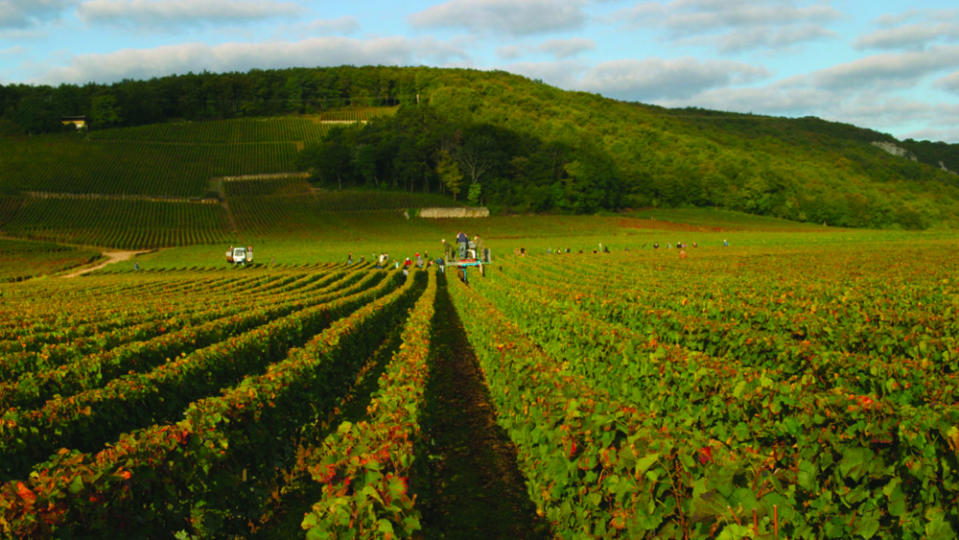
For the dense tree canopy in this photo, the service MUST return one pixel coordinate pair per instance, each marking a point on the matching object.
(421, 149)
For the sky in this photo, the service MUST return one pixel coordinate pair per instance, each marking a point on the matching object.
(889, 65)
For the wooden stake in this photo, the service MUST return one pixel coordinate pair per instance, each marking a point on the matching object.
(776, 520)
(730, 508)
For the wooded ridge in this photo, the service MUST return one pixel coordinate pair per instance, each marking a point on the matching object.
(520, 145)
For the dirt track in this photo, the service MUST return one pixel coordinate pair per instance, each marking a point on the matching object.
(112, 257)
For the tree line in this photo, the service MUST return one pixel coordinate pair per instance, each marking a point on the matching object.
(30, 109)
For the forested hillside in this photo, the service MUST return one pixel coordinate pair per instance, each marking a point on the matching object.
(517, 144)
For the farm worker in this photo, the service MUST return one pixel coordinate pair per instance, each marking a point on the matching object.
(682, 253)
(407, 263)
(349, 258)
(446, 249)
(725, 243)
(419, 261)
(478, 246)
(462, 241)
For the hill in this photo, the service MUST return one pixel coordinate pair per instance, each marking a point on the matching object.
(541, 148)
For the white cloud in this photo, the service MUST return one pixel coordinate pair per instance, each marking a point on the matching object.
(933, 26)
(945, 134)
(510, 52)
(772, 99)
(913, 36)
(903, 117)
(514, 17)
(949, 82)
(654, 78)
(27, 13)
(328, 51)
(161, 13)
(566, 48)
(892, 19)
(924, 120)
(771, 37)
(733, 25)
(888, 70)
(12, 51)
(341, 25)
(560, 49)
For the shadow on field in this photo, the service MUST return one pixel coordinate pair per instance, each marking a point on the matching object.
(466, 479)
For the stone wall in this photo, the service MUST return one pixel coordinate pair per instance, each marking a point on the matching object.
(455, 212)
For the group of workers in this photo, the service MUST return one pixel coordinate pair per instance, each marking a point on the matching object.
(465, 249)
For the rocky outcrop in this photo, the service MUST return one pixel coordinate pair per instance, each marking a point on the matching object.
(895, 150)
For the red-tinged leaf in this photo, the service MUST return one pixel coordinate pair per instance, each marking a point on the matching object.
(24, 492)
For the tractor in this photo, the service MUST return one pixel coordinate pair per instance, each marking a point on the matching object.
(239, 255)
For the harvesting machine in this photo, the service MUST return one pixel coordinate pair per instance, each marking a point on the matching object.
(472, 259)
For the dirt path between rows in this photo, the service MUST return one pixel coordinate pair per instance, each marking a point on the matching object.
(467, 482)
(112, 257)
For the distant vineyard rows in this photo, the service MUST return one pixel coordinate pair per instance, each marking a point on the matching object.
(126, 224)
(162, 159)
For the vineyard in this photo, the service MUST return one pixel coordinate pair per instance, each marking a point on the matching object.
(23, 259)
(170, 159)
(120, 223)
(777, 392)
